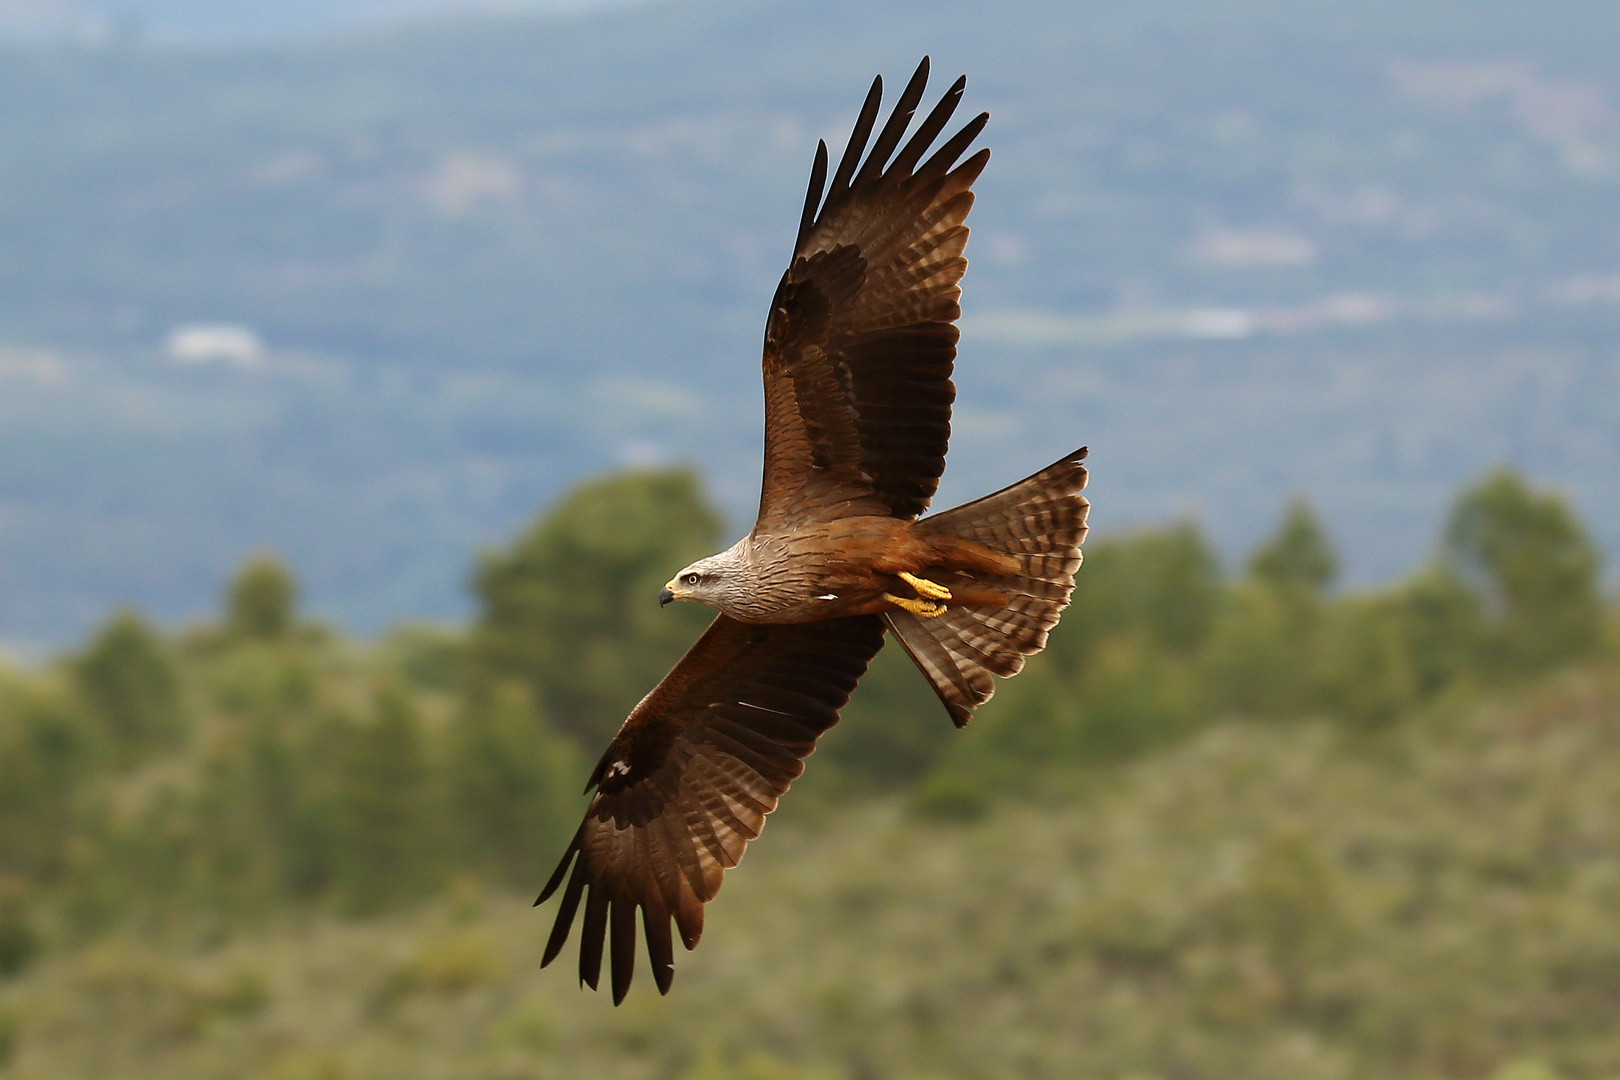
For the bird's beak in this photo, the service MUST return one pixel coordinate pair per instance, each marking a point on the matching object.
(665, 595)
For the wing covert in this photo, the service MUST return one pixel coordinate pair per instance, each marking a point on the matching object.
(689, 778)
(861, 339)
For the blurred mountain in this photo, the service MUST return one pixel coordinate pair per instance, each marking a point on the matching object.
(370, 299)
(210, 21)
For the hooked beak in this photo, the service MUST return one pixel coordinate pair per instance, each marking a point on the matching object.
(665, 595)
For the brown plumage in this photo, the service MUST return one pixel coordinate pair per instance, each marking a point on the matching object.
(859, 350)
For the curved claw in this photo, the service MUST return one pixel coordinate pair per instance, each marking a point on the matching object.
(923, 609)
(928, 590)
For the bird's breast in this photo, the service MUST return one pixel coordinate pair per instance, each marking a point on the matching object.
(825, 570)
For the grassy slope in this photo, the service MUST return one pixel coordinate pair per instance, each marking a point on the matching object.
(1265, 902)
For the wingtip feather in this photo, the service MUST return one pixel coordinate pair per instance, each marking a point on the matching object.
(564, 923)
(906, 161)
(557, 874)
(623, 950)
(593, 936)
(812, 196)
(905, 107)
(660, 946)
(945, 157)
(857, 139)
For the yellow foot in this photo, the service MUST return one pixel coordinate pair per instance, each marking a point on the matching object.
(926, 589)
(923, 609)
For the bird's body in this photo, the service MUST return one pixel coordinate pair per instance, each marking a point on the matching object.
(838, 567)
(859, 349)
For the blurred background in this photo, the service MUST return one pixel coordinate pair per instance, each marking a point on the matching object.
(339, 342)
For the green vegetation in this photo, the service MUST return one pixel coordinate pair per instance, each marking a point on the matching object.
(566, 609)
(1248, 827)
(1534, 570)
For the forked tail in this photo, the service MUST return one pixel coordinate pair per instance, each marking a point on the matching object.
(1040, 523)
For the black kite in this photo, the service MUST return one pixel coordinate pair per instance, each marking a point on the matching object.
(859, 349)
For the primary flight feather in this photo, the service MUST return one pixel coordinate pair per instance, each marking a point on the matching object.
(859, 349)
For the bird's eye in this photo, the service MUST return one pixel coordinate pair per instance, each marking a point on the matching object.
(689, 579)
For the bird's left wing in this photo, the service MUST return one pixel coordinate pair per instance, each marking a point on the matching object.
(861, 338)
(689, 778)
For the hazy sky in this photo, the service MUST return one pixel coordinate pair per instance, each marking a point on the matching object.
(235, 20)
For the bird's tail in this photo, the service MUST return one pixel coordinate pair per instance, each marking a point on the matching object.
(1038, 525)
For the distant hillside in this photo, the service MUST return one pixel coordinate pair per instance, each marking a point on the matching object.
(1241, 247)
(1246, 828)
(193, 21)
(1273, 902)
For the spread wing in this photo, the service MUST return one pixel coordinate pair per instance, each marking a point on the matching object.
(688, 781)
(861, 338)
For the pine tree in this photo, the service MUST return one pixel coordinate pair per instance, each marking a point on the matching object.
(1162, 586)
(571, 608)
(260, 601)
(1299, 555)
(46, 762)
(130, 682)
(513, 783)
(384, 841)
(1533, 567)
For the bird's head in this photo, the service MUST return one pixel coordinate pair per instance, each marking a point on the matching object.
(709, 581)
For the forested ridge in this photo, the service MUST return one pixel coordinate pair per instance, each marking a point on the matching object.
(1233, 822)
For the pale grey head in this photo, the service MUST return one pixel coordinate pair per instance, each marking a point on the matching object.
(721, 581)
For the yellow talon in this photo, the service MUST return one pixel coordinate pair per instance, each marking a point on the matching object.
(928, 590)
(923, 609)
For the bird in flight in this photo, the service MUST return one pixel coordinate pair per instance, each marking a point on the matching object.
(859, 348)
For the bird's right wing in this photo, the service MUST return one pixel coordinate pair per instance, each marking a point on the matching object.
(688, 780)
(861, 338)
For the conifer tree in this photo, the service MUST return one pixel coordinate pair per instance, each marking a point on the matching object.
(260, 600)
(45, 764)
(1299, 554)
(513, 783)
(131, 684)
(1534, 568)
(1163, 585)
(571, 608)
(384, 846)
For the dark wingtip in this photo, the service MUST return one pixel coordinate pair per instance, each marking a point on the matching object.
(660, 946)
(556, 878)
(906, 161)
(945, 157)
(622, 946)
(564, 922)
(905, 107)
(593, 935)
(812, 197)
(857, 140)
